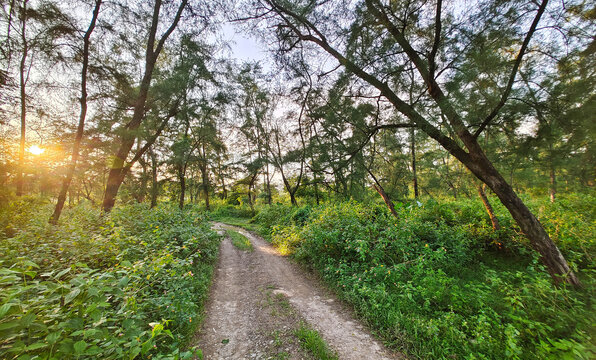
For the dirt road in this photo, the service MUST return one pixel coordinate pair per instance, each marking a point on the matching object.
(258, 300)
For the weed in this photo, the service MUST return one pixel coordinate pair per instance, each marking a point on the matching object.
(240, 241)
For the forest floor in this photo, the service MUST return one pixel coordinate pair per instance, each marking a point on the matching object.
(262, 305)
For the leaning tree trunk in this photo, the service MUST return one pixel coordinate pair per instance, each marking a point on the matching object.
(377, 186)
(386, 199)
(489, 209)
(550, 255)
(79, 134)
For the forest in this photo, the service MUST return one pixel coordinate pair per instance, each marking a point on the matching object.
(431, 163)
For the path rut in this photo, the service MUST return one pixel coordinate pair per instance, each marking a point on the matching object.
(235, 314)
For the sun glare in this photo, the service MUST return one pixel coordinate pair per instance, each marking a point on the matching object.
(36, 150)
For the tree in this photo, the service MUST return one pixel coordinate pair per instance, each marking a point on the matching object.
(34, 36)
(396, 32)
(154, 47)
(79, 134)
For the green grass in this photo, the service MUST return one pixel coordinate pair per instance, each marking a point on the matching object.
(313, 343)
(240, 241)
(240, 222)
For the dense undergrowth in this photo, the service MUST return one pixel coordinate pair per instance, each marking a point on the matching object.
(439, 283)
(123, 286)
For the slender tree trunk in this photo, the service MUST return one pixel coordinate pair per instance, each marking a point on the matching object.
(182, 179)
(377, 186)
(386, 199)
(317, 192)
(154, 183)
(144, 180)
(118, 169)
(553, 183)
(23, 96)
(268, 185)
(223, 185)
(221, 175)
(293, 199)
(489, 209)
(250, 186)
(205, 175)
(413, 153)
(79, 134)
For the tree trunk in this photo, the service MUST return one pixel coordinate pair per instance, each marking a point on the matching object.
(413, 152)
(182, 179)
(144, 180)
(23, 96)
(386, 199)
(489, 209)
(551, 256)
(317, 192)
(154, 183)
(205, 174)
(118, 170)
(268, 185)
(384, 195)
(79, 134)
(553, 183)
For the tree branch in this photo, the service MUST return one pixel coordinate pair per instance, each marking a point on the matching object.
(516, 66)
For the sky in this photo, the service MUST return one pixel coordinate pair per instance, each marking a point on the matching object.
(244, 46)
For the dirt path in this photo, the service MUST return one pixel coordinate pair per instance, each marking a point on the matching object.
(259, 296)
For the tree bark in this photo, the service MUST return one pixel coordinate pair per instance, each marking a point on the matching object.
(144, 180)
(268, 184)
(377, 186)
(182, 179)
(386, 199)
(205, 176)
(81, 127)
(154, 183)
(489, 209)
(413, 152)
(23, 97)
(553, 183)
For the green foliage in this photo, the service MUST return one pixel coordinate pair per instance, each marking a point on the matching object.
(230, 211)
(126, 285)
(439, 283)
(240, 241)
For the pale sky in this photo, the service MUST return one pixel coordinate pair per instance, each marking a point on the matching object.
(244, 46)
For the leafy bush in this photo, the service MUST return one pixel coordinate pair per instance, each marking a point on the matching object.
(142, 295)
(433, 284)
(226, 211)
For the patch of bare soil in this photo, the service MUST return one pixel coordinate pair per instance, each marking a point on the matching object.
(258, 300)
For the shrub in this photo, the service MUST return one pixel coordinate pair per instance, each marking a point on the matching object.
(142, 296)
(433, 284)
